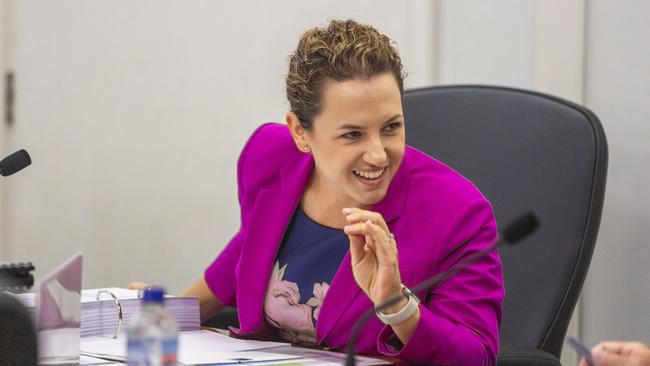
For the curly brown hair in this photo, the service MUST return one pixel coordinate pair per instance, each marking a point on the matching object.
(344, 50)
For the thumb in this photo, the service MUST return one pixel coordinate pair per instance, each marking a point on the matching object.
(356, 248)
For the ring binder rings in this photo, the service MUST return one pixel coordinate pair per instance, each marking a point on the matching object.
(119, 309)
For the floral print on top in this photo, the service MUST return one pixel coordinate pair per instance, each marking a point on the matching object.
(307, 261)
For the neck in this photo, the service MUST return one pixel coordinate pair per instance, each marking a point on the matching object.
(323, 203)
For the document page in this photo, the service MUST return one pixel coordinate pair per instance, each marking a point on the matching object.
(195, 348)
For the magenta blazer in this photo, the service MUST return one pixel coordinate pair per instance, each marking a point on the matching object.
(438, 217)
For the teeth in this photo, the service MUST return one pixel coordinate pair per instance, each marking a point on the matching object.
(370, 174)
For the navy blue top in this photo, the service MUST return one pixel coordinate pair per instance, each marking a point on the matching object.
(313, 252)
(306, 263)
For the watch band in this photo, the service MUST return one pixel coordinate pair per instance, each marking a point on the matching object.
(405, 313)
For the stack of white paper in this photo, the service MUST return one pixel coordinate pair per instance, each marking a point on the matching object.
(100, 318)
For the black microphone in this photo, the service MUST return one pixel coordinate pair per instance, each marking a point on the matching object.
(14, 162)
(523, 226)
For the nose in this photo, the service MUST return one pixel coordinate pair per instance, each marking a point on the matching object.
(375, 153)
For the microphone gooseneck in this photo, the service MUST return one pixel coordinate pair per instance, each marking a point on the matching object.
(14, 163)
(520, 228)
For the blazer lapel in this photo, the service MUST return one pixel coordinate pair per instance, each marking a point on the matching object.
(344, 289)
(271, 214)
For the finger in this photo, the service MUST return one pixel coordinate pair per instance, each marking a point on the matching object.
(371, 243)
(137, 285)
(370, 248)
(357, 249)
(617, 347)
(369, 229)
(359, 228)
(355, 215)
(349, 210)
(386, 250)
(354, 211)
(640, 347)
(602, 357)
(629, 348)
(584, 362)
(363, 231)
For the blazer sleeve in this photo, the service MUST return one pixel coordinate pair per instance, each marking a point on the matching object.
(459, 320)
(221, 275)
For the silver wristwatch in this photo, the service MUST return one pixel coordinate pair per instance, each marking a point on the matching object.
(405, 313)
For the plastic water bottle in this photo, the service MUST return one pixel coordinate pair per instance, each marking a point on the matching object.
(152, 334)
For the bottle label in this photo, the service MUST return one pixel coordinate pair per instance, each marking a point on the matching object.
(151, 351)
(169, 351)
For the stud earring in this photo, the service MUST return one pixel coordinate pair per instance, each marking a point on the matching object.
(306, 148)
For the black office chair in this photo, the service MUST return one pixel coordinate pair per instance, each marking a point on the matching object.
(227, 317)
(17, 334)
(524, 151)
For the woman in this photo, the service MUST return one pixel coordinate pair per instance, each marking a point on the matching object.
(338, 214)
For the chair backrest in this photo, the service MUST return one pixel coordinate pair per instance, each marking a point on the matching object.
(17, 333)
(524, 151)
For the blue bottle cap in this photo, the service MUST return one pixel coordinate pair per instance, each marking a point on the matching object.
(153, 294)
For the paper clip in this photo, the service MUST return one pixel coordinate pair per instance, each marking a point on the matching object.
(119, 310)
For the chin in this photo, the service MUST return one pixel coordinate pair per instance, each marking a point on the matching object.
(370, 198)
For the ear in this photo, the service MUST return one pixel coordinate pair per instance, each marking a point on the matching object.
(298, 133)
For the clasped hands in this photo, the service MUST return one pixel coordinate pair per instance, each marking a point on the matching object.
(373, 253)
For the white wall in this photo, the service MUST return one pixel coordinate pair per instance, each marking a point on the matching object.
(485, 42)
(135, 113)
(528, 44)
(3, 127)
(617, 293)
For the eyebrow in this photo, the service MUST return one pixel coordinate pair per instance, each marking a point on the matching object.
(349, 126)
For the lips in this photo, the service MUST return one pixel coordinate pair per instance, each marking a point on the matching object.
(370, 175)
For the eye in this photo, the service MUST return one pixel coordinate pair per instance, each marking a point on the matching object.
(392, 127)
(352, 135)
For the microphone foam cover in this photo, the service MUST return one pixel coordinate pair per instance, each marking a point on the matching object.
(14, 162)
(520, 228)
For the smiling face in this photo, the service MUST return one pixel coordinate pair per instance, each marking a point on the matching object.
(357, 140)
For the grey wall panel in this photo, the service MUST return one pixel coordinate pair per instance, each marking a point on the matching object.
(616, 297)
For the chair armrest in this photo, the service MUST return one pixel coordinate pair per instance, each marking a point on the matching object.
(520, 356)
